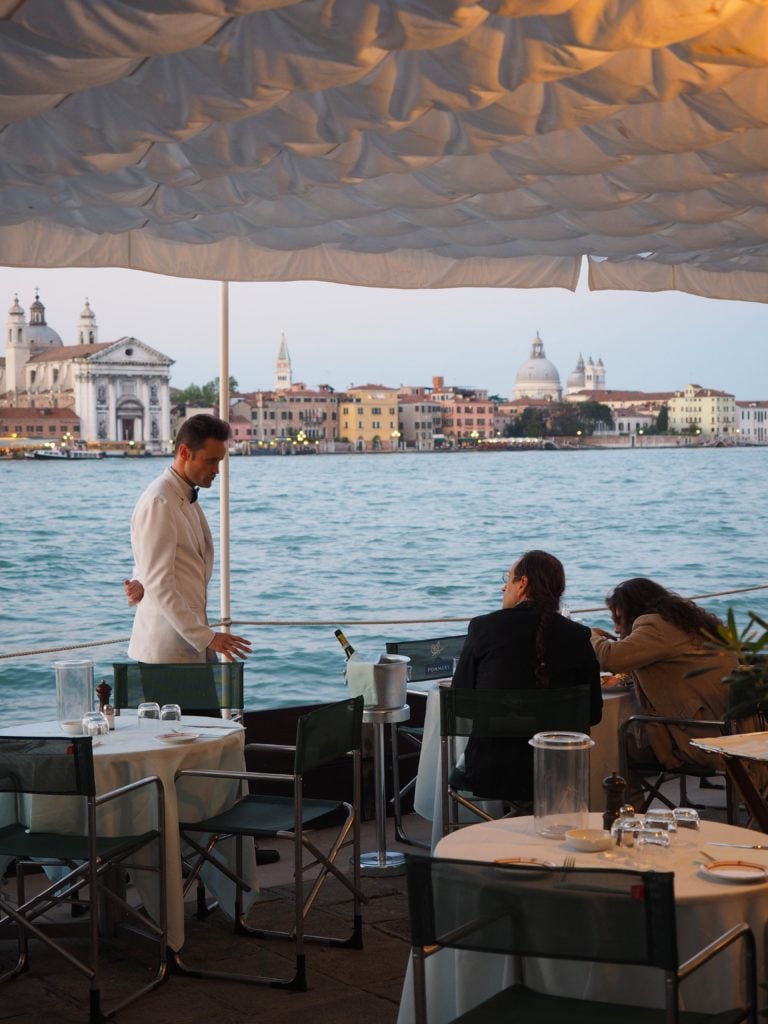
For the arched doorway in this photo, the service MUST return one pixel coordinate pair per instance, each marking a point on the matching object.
(130, 420)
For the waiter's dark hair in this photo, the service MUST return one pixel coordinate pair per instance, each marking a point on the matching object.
(641, 596)
(195, 431)
(546, 582)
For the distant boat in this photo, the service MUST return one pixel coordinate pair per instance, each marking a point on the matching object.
(54, 454)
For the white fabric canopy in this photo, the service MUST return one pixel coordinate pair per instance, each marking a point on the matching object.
(400, 143)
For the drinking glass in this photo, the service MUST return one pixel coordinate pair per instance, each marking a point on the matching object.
(95, 723)
(653, 837)
(661, 819)
(686, 817)
(170, 713)
(148, 713)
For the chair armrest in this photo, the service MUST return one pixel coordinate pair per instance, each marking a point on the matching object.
(670, 720)
(242, 776)
(738, 931)
(129, 788)
(272, 747)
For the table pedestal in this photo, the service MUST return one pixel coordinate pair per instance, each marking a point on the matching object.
(380, 862)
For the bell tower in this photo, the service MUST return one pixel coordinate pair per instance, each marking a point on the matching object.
(17, 349)
(87, 328)
(283, 374)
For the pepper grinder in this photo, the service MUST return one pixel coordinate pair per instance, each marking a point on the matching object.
(614, 787)
(103, 692)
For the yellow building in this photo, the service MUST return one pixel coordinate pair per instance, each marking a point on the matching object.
(368, 418)
(703, 410)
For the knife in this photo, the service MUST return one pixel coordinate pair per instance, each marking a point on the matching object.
(740, 846)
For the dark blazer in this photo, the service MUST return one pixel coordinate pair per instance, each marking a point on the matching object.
(500, 654)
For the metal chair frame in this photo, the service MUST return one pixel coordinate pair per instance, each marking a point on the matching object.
(89, 860)
(286, 818)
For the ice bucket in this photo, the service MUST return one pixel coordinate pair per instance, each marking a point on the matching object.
(74, 689)
(382, 685)
(560, 782)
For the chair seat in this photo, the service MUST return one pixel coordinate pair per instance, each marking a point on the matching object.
(525, 1006)
(15, 841)
(264, 816)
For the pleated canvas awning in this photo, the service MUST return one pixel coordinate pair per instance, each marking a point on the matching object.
(399, 143)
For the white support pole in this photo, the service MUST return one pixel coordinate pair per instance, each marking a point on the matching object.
(224, 472)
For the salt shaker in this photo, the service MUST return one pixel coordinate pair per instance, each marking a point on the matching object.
(109, 713)
(613, 787)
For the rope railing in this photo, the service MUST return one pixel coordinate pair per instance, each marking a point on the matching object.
(340, 621)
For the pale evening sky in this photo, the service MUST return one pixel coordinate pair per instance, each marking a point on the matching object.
(342, 335)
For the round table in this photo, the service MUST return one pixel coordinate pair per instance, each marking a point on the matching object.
(130, 753)
(458, 980)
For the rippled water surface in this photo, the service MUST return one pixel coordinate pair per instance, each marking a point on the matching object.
(393, 536)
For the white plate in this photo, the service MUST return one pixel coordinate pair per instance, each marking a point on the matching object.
(739, 872)
(178, 737)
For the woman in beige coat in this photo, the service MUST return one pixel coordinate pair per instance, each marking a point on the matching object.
(661, 639)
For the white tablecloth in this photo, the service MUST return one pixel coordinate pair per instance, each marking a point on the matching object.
(604, 757)
(130, 753)
(458, 980)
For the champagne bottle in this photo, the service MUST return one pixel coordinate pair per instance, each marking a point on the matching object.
(349, 650)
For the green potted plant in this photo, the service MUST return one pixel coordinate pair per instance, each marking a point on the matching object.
(749, 680)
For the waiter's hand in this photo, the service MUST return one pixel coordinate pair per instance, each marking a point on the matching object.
(230, 646)
(134, 591)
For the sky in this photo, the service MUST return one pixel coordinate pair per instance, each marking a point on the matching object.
(342, 335)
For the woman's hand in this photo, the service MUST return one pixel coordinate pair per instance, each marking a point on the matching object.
(602, 633)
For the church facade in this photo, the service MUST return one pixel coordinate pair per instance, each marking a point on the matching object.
(120, 390)
(538, 378)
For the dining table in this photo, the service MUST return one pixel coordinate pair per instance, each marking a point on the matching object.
(133, 751)
(707, 903)
(618, 704)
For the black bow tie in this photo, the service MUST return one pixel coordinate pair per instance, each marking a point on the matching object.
(193, 496)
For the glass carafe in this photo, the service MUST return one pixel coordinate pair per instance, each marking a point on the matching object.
(74, 689)
(560, 782)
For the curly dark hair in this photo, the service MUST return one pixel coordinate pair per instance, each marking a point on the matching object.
(546, 583)
(641, 596)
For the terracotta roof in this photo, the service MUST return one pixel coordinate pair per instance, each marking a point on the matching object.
(20, 413)
(610, 395)
(752, 405)
(59, 353)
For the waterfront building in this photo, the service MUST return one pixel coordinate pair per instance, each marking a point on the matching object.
(628, 420)
(42, 424)
(703, 410)
(641, 401)
(467, 412)
(368, 417)
(119, 390)
(752, 422)
(506, 413)
(538, 377)
(286, 414)
(420, 420)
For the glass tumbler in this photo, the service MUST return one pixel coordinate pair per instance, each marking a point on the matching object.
(148, 714)
(170, 713)
(95, 723)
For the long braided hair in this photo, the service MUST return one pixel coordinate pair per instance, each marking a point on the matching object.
(546, 583)
(641, 596)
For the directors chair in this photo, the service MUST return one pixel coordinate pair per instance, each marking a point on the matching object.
(200, 688)
(62, 769)
(431, 659)
(593, 915)
(323, 735)
(492, 728)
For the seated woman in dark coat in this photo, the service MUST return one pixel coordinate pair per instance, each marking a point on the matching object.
(525, 645)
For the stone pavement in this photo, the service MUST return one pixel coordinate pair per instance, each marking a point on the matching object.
(361, 986)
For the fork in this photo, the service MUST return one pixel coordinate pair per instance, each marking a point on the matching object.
(568, 865)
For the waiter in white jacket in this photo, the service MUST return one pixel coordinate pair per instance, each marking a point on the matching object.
(173, 554)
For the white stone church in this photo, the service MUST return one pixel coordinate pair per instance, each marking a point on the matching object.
(119, 389)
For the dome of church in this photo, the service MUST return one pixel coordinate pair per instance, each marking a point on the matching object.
(38, 332)
(87, 312)
(575, 381)
(537, 377)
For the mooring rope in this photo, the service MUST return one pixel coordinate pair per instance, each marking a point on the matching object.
(335, 622)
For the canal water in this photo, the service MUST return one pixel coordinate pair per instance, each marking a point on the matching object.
(391, 536)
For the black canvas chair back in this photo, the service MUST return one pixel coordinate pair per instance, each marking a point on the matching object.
(327, 734)
(585, 914)
(497, 758)
(430, 659)
(204, 688)
(63, 767)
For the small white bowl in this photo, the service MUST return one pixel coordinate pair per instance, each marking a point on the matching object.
(588, 840)
(72, 727)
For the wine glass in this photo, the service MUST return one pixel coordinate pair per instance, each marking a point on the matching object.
(147, 713)
(170, 713)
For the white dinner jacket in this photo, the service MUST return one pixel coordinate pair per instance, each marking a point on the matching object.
(173, 553)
